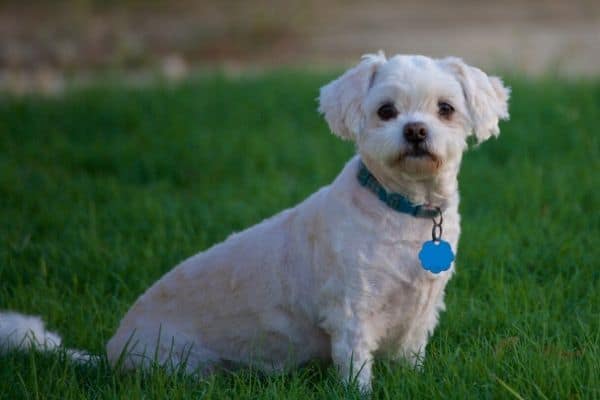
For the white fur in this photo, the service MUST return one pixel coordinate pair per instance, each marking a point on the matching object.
(336, 277)
(24, 332)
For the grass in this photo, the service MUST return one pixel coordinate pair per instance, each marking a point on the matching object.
(105, 189)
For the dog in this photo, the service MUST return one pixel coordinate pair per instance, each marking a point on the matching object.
(339, 276)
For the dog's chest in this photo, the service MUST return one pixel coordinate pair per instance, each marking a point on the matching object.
(390, 246)
(399, 295)
(384, 278)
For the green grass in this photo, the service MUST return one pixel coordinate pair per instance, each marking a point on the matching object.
(104, 190)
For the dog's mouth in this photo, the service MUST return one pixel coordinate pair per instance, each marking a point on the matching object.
(417, 151)
(418, 160)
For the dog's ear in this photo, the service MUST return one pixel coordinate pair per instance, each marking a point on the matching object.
(340, 101)
(486, 97)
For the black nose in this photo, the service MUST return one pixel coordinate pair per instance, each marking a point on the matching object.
(415, 132)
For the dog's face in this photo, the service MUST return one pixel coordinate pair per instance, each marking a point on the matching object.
(412, 115)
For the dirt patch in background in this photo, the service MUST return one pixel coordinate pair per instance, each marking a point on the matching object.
(43, 44)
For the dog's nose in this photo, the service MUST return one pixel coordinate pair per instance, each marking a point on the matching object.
(415, 132)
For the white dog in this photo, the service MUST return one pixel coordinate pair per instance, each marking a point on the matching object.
(338, 276)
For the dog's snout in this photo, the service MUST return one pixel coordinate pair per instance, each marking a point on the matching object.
(415, 132)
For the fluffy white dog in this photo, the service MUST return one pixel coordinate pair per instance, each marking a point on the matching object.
(338, 276)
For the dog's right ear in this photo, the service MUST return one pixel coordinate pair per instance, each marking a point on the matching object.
(340, 101)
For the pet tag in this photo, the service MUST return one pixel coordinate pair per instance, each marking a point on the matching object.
(436, 255)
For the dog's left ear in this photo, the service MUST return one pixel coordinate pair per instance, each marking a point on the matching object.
(486, 97)
(341, 101)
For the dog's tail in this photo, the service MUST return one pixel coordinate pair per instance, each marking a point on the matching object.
(24, 332)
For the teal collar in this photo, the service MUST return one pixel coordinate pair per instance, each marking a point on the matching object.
(395, 201)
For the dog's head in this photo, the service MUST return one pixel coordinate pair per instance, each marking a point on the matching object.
(412, 115)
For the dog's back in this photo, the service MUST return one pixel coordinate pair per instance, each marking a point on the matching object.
(246, 300)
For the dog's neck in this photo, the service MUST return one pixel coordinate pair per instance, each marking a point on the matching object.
(437, 191)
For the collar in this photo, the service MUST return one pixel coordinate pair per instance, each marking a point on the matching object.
(395, 201)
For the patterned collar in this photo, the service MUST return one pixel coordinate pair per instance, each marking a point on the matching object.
(395, 201)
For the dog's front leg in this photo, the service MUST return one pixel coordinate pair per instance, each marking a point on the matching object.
(413, 355)
(352, 355)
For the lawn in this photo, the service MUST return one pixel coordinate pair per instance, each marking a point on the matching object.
(105, 189)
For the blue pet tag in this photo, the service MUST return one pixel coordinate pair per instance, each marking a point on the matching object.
(436, 256)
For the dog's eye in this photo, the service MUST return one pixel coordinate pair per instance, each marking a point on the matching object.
(387, 111)
(445, 109)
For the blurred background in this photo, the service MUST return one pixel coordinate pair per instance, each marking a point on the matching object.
(44, 44)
